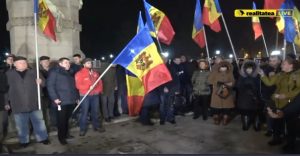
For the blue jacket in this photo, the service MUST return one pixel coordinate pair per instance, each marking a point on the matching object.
(61, 85)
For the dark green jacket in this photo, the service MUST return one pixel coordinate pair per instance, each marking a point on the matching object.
(200, 82)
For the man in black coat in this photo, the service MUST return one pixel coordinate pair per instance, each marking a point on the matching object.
(63, 93)
(23, 97)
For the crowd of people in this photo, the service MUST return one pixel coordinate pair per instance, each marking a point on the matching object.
(264, 92)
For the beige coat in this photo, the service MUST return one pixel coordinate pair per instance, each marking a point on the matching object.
(226, 77)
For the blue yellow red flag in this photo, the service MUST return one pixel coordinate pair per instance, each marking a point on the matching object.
(141, 58)
(256, 25)
(211, 13)
(198, 31)
(159, 24)
(46, 20)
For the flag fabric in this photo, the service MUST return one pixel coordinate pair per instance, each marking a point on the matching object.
(160, 23)
(211, 13)
(142, 59)
(289, 22)
(198, 30)
(273, 4)
(296, 17)
(46, 20)
(135, 87)
(135, 94)
(256, 25)
(141, 24)
(280, 24)
(57, 13)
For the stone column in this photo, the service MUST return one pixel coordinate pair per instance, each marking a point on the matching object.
(21, 28)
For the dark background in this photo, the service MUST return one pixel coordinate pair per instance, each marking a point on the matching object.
(108, 25)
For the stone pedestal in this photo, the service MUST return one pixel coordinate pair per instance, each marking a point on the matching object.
(21, 28)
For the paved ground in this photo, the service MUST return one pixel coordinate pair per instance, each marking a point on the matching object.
(188, 136)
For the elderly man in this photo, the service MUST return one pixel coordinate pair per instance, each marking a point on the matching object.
(22, 84)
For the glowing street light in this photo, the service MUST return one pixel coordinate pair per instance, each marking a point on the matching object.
(230, 56)
(111, 56)
(166, 54)
(218, 52)
(103, 58)
(6, 54)
(275, 52)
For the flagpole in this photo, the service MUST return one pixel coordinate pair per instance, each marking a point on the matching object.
(284, 49)
(267, 52)
(91, 88)
(276, 44)
(295, 51)
(235, 57)
(207, 50)
(36, 52)
(159, 45)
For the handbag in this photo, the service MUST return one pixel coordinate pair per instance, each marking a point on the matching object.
(223, 91)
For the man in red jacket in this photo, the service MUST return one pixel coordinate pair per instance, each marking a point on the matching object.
(85, 78)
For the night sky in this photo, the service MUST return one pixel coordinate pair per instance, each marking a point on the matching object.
(108, 25)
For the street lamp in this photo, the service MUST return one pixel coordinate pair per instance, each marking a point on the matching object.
(166, 54)
(218, 52)
(111, 56)
(103, 58)
(230, 56)
(6, 54)
(275, 52)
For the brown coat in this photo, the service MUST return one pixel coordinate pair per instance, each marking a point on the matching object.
(225, 77)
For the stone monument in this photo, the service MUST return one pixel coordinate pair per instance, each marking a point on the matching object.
(21, 28)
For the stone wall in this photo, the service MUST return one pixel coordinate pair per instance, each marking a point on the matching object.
(21, 28)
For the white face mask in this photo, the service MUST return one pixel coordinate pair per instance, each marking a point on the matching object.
(249, 70)
(223, 69)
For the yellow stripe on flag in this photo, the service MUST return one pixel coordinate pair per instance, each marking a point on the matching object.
(135, 86)
(213, 14)
(280, 24)
(43, 15)
(146, 60)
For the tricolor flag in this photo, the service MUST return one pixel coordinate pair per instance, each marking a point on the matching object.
(198, 30)
(135, 94)
(46, 20)
(142, 59)
(288, 24)
(296, 17)
(211, 13)
(159, 22)
(256, 25)
(135, 87)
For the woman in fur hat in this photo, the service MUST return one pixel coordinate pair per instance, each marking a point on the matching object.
(248, 94)
(222, 100)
